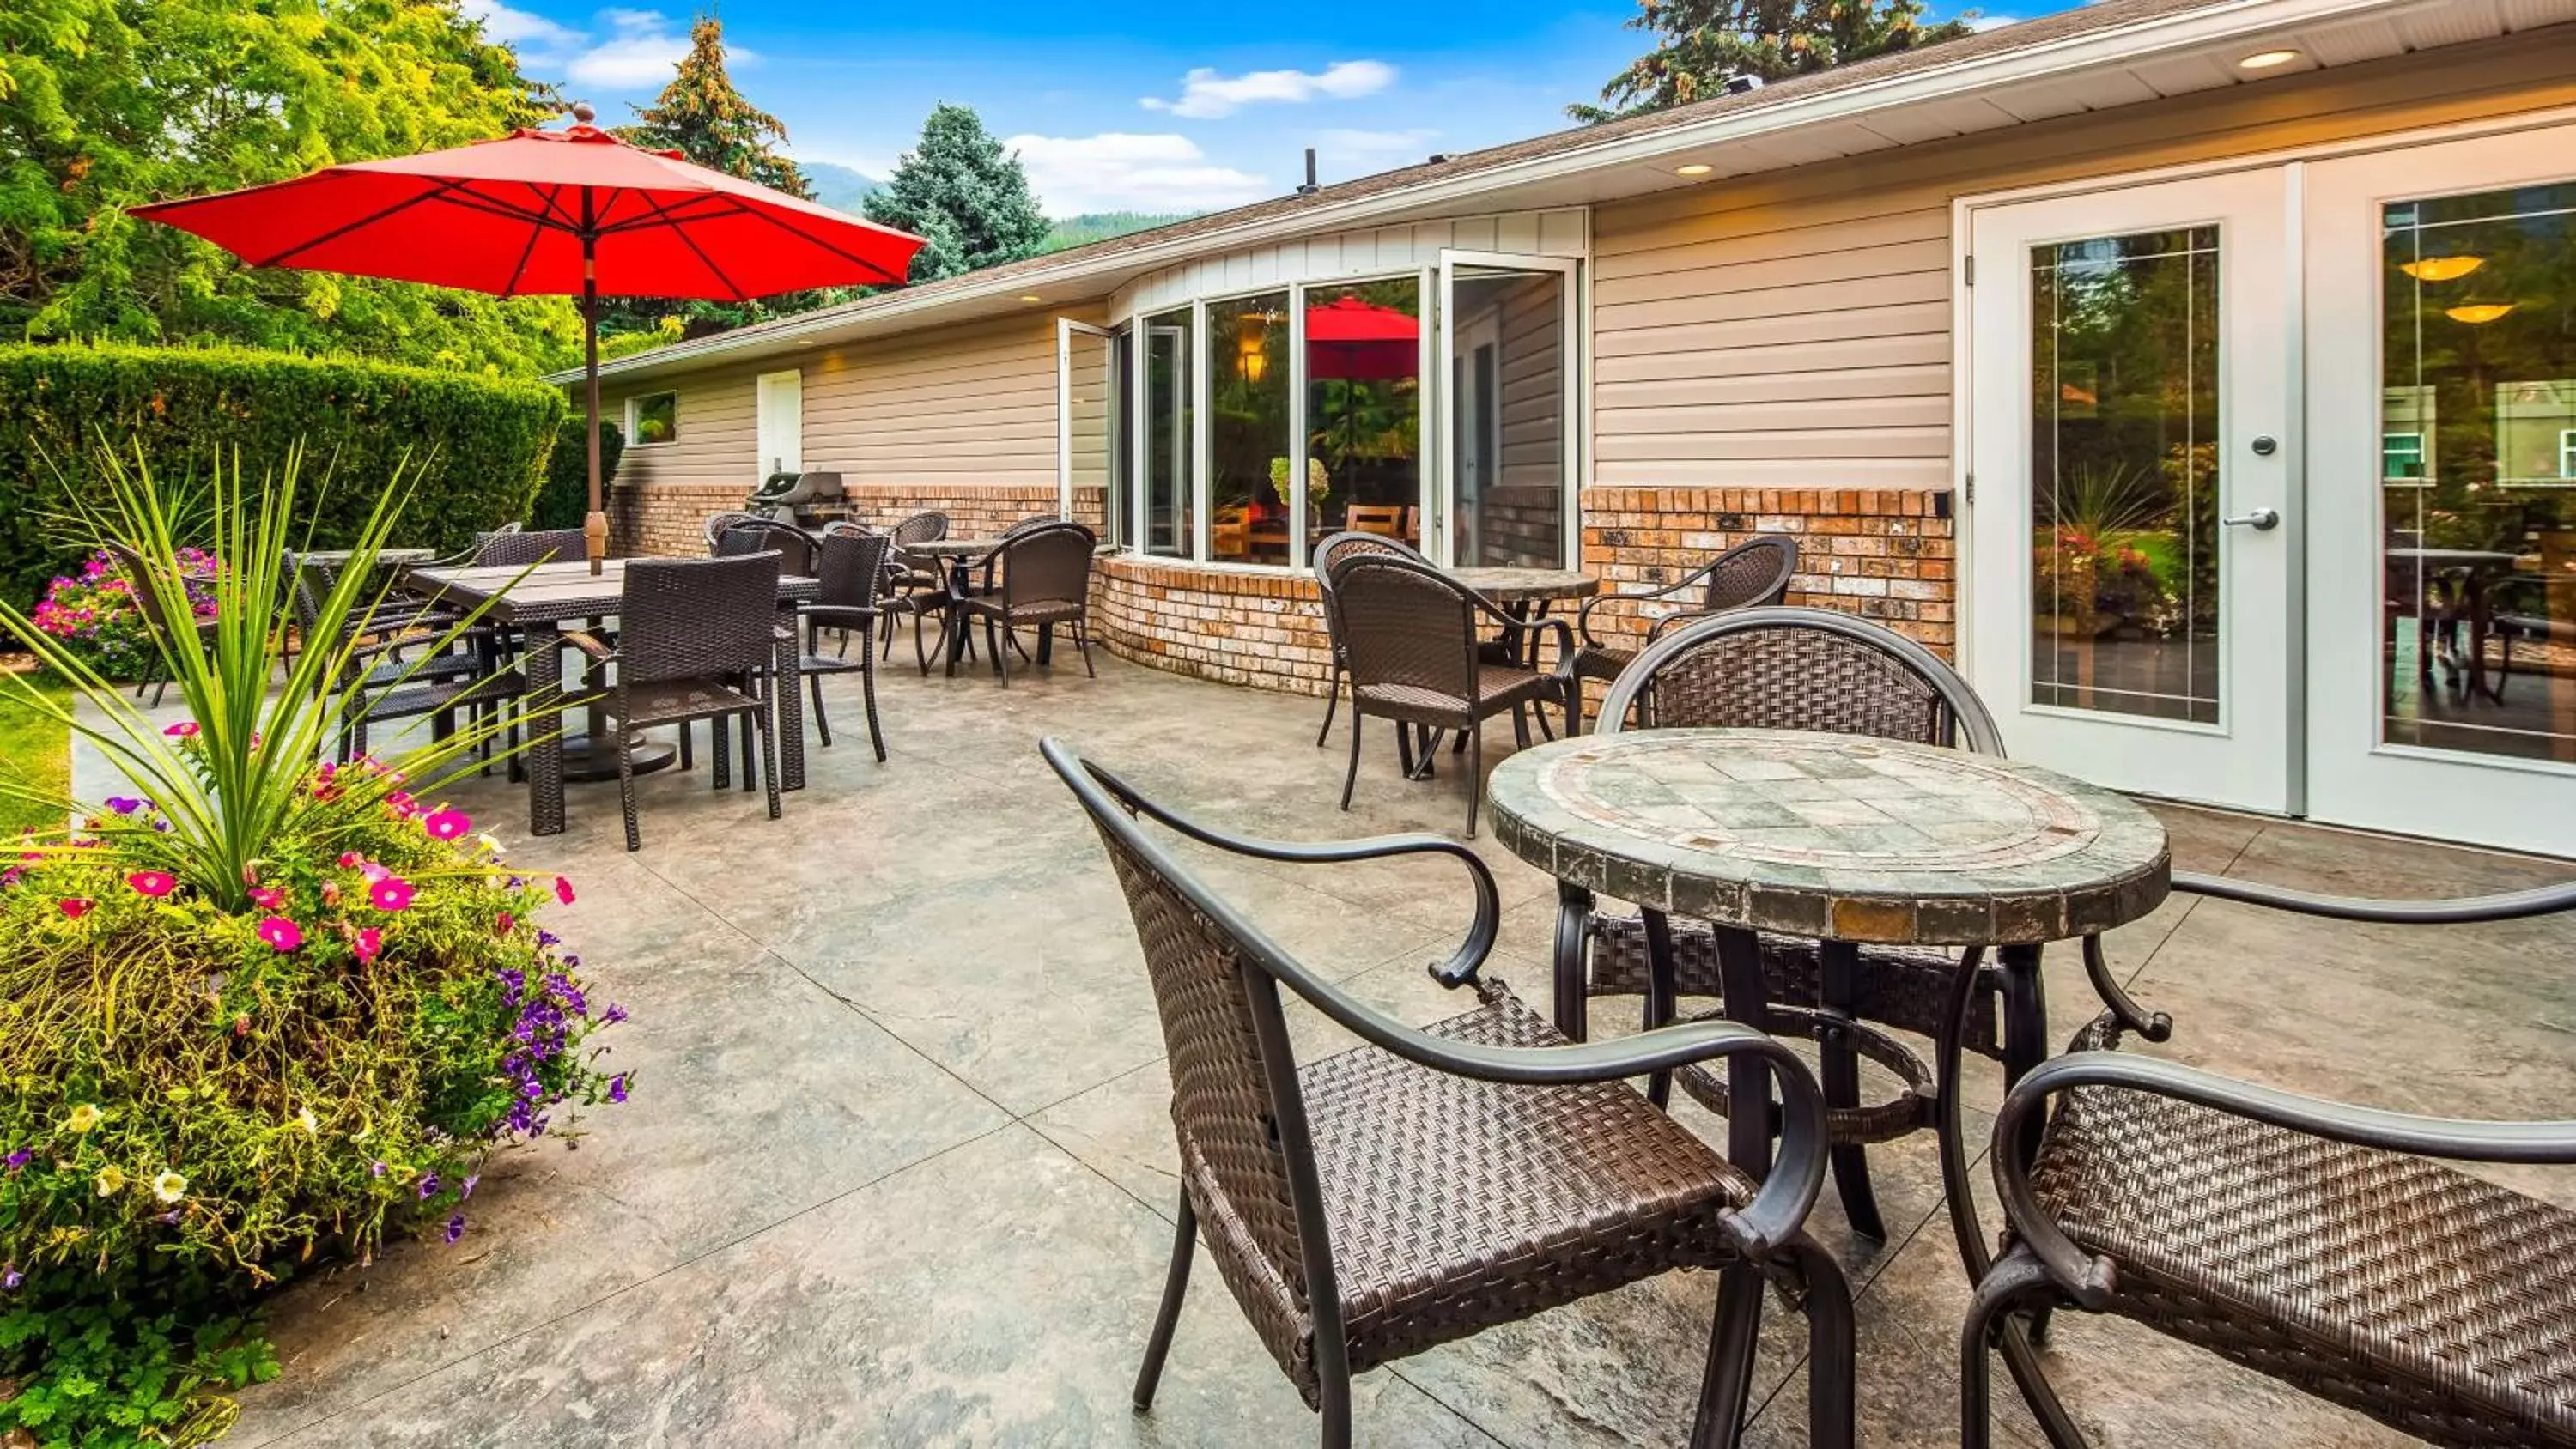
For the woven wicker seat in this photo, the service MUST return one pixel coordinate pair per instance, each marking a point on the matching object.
(1436, 1182)
(1751, 575)
(2303, 1239)
(1408, 633)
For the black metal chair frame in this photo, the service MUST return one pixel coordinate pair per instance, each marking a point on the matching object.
(1767, 1233)
(922, 589)
(1473, 710)
(851, 586)
(793, 545)
(1329, 551)
(2041, 1269)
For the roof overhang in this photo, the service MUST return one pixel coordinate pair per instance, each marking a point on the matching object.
(2165, 51)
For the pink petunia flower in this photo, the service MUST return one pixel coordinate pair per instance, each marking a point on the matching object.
(504, 925)
(351, 860)
(563, 890)
(399, 801)
(446, 824)
(393, 893)
(152, 882)
(75, 907)
(184, 729)
(266, 899)
(368, 943)
(281, 933)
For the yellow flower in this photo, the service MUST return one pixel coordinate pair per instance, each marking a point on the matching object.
(169, 1187)
(311, 1124)
(84, 1117)
(111, 1181)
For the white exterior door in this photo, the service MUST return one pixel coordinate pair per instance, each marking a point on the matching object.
(780, 423)
(2132, 518)
(2442, 468)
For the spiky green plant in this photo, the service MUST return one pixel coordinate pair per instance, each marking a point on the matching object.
(227, 781)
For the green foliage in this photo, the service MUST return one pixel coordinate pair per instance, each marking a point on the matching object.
(1699, 43)
(1094, 226)
(96, 614)
(563, 500)
(965, 196)
(264, 1009)
(105, 104)
(476, 446)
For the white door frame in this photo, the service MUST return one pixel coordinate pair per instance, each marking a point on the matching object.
(1439, 481)
(1066, 329)
(792, 458)
(2250, 758)
(2357, 778)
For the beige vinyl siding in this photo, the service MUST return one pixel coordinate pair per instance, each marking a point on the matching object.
(1792, 330)
(938, 408)
(1532, 386)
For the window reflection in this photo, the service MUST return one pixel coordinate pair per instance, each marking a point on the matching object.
(1168, 433)
(1364, 409)
(1249, 497)
(2478, 487)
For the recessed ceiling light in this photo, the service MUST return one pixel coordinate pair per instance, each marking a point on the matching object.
(1696, 168)
(804, 341)
(2441, 269)
(2266, 59)
(1031, 297)
(2478, 314)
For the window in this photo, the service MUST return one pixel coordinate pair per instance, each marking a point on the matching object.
(1249, 497)
(1364, 408)
(1168, 438)
(653, 418)
(2401, 457)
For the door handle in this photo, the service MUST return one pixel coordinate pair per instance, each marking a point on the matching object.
(2261, 520)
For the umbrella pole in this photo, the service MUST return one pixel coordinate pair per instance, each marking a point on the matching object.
(594, 529)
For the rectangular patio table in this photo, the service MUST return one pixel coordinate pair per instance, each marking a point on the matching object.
(539, 601)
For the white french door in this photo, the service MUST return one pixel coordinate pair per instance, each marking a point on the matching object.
(779, 423)
(2442, 468)
(1505, 416)
(1090, 373)
(2132, 523)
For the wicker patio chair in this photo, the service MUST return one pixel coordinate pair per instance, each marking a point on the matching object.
(1433, 1183)
(1751, 575)
(1045, 580)
(922, 588)
(696, 640)
(1805, 669)
(156, 615)
(717, 523)
(1330, 551)
(1410, 633)
(850, 567)
(521, 550)
(2311, 1241)
(793, 545)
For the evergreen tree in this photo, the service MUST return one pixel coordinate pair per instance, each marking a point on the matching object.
(1702, 42)
(701, 116)
(963, 195)
(105, 104)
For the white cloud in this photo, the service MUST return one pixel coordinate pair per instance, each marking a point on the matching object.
(1992, 22)
(1122, 171)
(1206, 95)
(1374, 148)
(519, 28)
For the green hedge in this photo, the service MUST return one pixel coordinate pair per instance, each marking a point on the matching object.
(563, 500)
(478, 446)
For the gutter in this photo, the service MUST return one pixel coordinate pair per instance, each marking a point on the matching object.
(2061, 58)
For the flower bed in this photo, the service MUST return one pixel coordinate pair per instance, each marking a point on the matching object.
(95, 615)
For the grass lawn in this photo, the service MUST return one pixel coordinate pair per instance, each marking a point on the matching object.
(34, 751)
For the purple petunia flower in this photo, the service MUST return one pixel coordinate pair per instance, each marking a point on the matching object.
(465, 1189)
(613, 1015)
(428, 1186)
(123, 804)
(617, 1088)
(11, 1279)
(376, 1168)
(455, 1227)
(18, 1159)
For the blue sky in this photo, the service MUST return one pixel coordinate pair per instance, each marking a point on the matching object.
(1141, 105)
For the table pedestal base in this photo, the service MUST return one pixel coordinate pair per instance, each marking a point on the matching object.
(590, 758)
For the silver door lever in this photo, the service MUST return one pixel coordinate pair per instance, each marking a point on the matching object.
(2261, 520)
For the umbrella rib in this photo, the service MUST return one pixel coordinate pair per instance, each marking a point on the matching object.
(334, 234)
(674, 215)
(868, 262)
(691, 243)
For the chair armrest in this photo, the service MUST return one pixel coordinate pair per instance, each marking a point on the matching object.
(2089, 1279)
(2456, 910)
(589, 644)
(1458, 970)
(832, 616)
(1583, 616)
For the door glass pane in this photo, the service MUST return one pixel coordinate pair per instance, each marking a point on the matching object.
(1507, 452)
(1248, 489)
(2478, 498)
(1168, 445)
(1119, 368)
(1090, 363)
(2125, 475)
(1364, 409)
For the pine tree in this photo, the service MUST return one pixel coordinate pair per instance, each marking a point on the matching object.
(962, 193)
(1705, 41)
(701, 116)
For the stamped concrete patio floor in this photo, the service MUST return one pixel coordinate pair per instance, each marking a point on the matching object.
(898, 1169)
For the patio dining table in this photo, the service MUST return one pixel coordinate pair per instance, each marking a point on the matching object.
(1850, 841)
(1525, 593)
(962, 554)
(540, 601)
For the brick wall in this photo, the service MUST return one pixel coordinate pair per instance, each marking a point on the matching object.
(1885, 555)
(1236, 626)
(670, 518)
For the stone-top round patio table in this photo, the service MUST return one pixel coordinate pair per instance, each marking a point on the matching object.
(1527, 585)
(1854, 842)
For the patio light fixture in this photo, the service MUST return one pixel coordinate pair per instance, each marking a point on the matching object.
(1696, 168)
(2266, 59)
(2441, 269)
(1031, 297)
(1249, 354)
(2478, 314)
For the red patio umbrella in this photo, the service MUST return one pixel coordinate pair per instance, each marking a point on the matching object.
(1361, 341)
(575, 212)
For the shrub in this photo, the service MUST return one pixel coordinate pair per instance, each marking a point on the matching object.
(476, 445)
(563, 500)
(256, 1011)
(93, 611)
